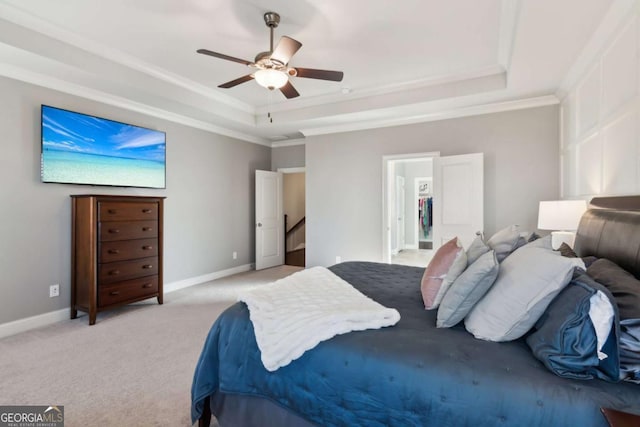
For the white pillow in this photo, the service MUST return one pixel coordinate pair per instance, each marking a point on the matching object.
(528, 281)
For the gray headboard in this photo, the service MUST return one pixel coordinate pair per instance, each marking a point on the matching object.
(611, 229)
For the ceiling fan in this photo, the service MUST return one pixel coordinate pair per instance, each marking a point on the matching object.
(272, 67)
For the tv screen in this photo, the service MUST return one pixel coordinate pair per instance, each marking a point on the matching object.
(82, 149)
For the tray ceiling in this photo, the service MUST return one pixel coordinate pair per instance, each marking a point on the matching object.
(403, 61)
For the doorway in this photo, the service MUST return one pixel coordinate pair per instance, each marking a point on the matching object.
(294, 196)
(423, 198)
(406, 210)
(456, 208)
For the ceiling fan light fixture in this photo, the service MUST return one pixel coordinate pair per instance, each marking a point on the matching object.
(271, 79)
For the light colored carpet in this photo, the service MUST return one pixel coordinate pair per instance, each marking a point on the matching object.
(132, 368)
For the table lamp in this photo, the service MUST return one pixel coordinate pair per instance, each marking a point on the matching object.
(563, 217)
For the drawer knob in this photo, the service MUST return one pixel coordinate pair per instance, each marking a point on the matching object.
(114, 231)
(147, 266)
(114, 293)
(146, 285)
(113, 211)
(114, 272)
(146, 210)
(114, 251)
(146, 228)
(147, 247)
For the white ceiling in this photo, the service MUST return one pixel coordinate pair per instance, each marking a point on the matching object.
(404, 61)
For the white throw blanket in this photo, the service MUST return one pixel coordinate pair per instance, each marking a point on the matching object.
(294, 314)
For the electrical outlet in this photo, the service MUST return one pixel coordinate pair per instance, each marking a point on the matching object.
(235, 255)
(338, 259)
(54, 290)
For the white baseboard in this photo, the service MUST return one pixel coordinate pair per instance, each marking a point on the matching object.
(411, 246)
(28, 323)
(181, 284)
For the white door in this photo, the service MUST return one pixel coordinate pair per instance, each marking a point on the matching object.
(458, 195)
(400, 235)
(269, 220)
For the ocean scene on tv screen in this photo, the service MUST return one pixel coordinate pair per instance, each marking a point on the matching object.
(82, 149)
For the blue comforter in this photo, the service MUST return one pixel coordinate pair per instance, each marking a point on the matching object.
(412, 374)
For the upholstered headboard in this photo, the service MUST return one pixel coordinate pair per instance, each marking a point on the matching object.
(611, 229)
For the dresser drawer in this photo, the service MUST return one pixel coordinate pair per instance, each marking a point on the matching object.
(111, 231)
(124, 270)
(127, 290)
(127, 211)
(120, 250)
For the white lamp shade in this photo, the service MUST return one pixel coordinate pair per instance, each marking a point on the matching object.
(561, 214)
(271, 79)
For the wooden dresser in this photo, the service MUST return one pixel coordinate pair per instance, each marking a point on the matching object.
(116, 251)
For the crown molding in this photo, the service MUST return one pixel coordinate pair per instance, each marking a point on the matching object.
(27, 20)
(474, 110)
(619, 15)
(288, 143)
(393, 88)
(28, 76)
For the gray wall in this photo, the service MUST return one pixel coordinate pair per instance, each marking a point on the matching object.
(344, 175)
(208, 212)
(288, 157)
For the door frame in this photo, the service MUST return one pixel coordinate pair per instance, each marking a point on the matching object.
(386, 203)
(400, 209)
(300, 169)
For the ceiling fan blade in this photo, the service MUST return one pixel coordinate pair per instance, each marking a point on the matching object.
(310, 73)
(223, 56)
(289, 91)
(237, 81)
(286, 48)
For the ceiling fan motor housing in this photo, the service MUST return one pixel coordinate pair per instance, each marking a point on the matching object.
(272, 19)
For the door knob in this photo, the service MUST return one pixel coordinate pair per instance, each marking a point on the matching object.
(259, 224)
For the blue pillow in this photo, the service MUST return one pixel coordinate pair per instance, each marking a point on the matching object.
(565, 339)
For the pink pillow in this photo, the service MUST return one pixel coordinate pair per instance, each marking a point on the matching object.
(446, 265)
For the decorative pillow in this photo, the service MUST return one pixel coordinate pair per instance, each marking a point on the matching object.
(588, 260)
(446, 265)
(624, 287)
(467, 290)
(526, 238)
(504, 241)
(577, 336)
(477, 248)
(528, 281)
(543, 242)
(630, 349)
(566, 251)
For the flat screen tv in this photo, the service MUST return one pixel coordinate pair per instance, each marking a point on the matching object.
(82, 149)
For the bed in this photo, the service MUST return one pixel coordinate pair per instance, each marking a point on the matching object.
(412, 374)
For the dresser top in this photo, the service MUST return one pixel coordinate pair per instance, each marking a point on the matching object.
(115, 196)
